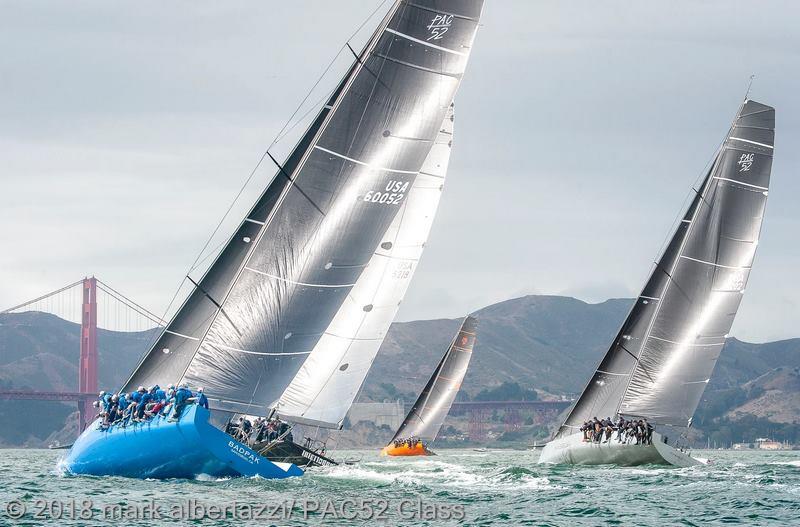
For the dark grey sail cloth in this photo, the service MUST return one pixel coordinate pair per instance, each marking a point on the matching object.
(261, 308)
(431, 408)
(662, 358)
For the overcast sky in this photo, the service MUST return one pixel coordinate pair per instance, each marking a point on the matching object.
(126, 130)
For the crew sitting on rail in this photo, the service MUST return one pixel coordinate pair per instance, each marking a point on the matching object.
(600, 431)
(182, 395)
(411, 442)
(144, 398)
(144, 404)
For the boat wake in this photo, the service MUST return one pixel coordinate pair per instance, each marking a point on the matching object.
(432, 474)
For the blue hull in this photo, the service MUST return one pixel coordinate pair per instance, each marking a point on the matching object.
(162, 449)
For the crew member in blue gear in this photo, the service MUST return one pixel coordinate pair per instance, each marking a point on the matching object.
(202, 400)
(105, 400)
(137, 395)
(122, 405)
(182, 395)
(160, 394)
(144, 398)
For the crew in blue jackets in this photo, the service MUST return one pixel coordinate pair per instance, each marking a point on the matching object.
(145, 398)
(160, 394)
(182, 395)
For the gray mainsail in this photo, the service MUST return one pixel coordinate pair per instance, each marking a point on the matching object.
(274, 291)
(662, 358)
(431, 408)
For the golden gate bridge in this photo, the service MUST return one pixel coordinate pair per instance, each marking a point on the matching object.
(120, 313)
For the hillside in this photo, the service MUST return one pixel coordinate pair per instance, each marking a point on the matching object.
(547, 343)
(39, 351)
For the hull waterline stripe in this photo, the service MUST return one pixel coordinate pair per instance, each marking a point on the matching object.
(418, 41)
(334, 286)
(356, 161)
(711, 263)
(752, 142)
(181, 335)
(741, 183)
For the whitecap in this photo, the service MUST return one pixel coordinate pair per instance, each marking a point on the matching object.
(792, 463)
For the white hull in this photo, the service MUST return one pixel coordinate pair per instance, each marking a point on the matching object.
(573, 450)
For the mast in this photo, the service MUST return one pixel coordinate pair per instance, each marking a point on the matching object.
(265, 305)
(662, 358)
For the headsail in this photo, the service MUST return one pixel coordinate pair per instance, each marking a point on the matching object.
(431, 408)
(289, 275)
(329, 380)
(662, 358)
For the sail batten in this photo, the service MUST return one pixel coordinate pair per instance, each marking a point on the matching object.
(664, 354)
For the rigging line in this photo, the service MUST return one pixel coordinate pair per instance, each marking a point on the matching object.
(140, 311)
(127, 300)
(202, 290)
(345, 86)
(43, 297)
(200, 258)
(365, 68)
(369, 17)
(295, 185)
(313, 107)
(286, 128)
(749, 86)
(230, 207)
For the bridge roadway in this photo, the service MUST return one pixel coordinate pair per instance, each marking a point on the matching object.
(83, 399)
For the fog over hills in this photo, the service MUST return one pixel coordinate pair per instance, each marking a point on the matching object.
(547, 343)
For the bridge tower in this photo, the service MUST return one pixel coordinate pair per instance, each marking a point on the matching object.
(87, 370)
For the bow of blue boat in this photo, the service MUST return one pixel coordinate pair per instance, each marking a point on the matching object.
(161, 448)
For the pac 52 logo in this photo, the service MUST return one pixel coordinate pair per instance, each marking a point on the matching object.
(439, 26)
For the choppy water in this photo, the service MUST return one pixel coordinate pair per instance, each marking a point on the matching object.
(491, 488)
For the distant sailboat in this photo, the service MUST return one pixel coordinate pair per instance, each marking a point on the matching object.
(422, 424)
(288, 319)
(661, 360)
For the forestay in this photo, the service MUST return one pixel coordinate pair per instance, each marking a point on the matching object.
(662, 358)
